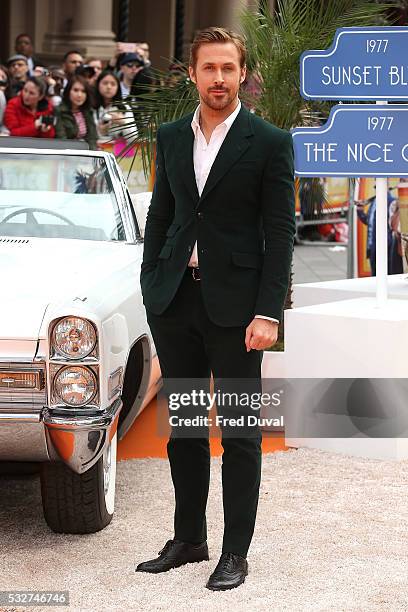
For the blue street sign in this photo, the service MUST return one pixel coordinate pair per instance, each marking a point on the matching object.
(361, 64)
(357, 140)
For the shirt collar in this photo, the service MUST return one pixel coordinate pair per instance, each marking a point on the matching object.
(195, 122)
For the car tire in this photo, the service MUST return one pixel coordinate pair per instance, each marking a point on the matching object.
(80, 503)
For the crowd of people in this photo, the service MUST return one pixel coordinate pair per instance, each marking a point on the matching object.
(83, 99)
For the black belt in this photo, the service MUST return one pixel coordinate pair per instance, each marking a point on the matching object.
(195, 272)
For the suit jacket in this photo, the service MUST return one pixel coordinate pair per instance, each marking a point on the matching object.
(244, 221)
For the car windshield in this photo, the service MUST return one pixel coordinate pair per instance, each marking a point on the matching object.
(58, 196)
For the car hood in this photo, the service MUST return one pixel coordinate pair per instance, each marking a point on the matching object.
(36, 272)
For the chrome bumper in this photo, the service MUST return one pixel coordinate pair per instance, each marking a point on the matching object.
(48, 435)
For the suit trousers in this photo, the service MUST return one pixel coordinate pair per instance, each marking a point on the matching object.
(191, 346)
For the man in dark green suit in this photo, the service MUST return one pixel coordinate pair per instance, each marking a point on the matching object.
(218, 248)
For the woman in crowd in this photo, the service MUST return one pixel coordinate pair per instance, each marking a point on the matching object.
(30, 113)
(113, 117)
(74, 114)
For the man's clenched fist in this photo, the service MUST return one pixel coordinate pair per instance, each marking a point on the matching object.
(261, 334)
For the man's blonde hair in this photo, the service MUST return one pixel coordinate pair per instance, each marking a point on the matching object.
(217, 35)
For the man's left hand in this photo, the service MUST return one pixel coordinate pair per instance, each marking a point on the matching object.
(261, 334)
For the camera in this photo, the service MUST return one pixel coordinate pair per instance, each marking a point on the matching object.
(106, 118)
(86, 71)
(48, 120)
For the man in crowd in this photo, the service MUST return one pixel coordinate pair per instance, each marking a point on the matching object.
(217, 255)
(71, 60)
(24, 46)
(142, 79)
(18, 69)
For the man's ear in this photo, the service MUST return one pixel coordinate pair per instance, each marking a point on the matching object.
(191, 74)
(243, 74)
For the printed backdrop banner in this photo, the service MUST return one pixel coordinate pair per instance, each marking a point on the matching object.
(337, 194)
(130, 162)
(366, 190)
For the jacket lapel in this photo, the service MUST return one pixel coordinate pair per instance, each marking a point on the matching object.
(234, 146)
(185, 157)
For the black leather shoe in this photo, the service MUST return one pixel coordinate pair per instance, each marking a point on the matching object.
(174, 554)
(229, 573)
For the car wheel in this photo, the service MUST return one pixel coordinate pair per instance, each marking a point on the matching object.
(80, 503)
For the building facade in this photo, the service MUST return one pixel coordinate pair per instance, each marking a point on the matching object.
(93, 26)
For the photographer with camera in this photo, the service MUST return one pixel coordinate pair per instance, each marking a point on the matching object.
(141, 80)
(52, 91)
(97, 65)
(89, 73)
(55, 83)
(30, 113)
(113, 116)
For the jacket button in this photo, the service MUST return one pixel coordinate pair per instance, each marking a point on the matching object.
(200, 215)
(189, 248)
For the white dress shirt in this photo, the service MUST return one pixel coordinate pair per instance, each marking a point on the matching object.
(203, 158)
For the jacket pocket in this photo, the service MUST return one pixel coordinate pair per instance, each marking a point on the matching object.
(165, 252)
(174, 227)
(247, 260)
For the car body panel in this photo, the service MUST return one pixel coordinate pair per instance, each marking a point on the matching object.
(48, 279)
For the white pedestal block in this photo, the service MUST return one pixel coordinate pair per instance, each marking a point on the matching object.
(348, 339)
(379, 448)
(307, 294)
(273, 368)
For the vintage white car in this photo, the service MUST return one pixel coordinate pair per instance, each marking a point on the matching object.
(75, 350)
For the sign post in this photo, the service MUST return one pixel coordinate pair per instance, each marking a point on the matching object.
(381, 236)
(359, 140)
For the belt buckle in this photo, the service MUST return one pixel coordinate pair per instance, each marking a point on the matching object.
(196, 274)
